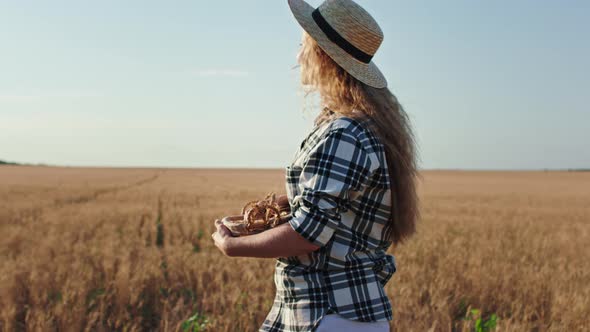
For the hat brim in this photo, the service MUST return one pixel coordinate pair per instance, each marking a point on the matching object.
(369, 73)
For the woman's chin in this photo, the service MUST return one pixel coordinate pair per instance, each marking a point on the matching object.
(306, 85)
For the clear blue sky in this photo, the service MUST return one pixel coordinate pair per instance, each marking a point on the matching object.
(488, 85)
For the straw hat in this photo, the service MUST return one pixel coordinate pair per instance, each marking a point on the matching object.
(347, 33)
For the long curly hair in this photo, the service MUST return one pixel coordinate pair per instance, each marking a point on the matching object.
(341, 93)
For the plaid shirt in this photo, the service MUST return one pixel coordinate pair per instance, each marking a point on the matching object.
(339, 191)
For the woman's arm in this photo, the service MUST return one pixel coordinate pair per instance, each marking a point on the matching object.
(280, 241)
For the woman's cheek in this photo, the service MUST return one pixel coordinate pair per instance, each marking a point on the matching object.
(304, 80)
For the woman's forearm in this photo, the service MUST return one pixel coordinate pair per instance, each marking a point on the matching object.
(280, 241)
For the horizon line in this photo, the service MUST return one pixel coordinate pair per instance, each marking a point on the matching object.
(570, 169)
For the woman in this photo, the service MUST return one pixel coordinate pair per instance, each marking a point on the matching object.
(351, 186)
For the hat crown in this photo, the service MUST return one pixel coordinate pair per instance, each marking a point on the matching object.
(353, 23)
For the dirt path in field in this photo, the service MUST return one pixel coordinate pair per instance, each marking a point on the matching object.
(105, 191)
(36, 212)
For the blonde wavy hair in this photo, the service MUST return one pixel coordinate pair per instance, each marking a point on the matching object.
(341, 93)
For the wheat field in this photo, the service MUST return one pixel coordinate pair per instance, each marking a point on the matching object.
(99, 249)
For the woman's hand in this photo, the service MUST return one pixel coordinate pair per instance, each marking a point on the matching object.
(223, 238)
(279, 241)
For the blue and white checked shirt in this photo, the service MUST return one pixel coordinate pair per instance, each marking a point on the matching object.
(339, 191)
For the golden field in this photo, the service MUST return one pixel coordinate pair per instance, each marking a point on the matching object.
(97, 249)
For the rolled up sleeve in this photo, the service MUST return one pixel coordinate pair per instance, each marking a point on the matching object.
(335, 166)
